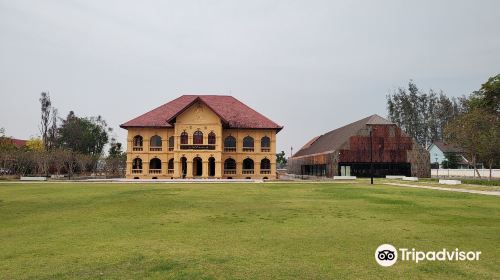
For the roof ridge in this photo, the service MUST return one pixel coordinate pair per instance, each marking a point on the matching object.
(334, 139)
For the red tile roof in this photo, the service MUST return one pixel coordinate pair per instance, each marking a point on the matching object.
(233, 113)
(18, 142)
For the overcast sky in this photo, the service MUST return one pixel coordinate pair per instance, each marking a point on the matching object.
(311, 66)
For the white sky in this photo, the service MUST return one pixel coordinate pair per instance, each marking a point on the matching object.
(311, 66)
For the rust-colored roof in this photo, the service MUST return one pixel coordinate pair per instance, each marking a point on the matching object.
(18, 142)
(233, 113)
(334, 139)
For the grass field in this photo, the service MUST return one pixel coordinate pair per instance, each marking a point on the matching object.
(239, 231)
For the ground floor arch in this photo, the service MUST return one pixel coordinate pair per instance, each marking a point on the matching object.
(197, 167)
(183, 167)
(211, 167)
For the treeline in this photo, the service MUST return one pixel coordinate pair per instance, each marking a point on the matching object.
(472, 122)
(72, 146)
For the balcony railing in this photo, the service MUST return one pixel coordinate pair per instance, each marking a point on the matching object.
(229, 149)
(265, 149)
(265, 171)
(136, 171)
(170, 171)
(248, 149)
(248, 171)
(170, 149)
(155, 149)
(154, 171)
(137, 148)
(230, 171)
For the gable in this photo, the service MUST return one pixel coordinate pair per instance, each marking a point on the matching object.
(198, 113)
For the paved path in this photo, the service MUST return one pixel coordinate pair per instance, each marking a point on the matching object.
(496, 193)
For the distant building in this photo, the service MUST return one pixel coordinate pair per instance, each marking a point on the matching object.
(350, 149)
(18, 142)
(201, 136)
(439, 149)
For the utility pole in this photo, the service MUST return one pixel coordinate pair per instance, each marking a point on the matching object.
(291, 151)
(371, 154)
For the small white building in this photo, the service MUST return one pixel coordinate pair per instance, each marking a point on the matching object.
(438, 149)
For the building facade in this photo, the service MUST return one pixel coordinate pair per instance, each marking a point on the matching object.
(351, 150)
(201, 136)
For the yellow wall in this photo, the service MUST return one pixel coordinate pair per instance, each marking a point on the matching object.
(200, 117)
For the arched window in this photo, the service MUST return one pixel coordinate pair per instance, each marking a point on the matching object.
(171, 143)
(137, 164)
(184, 138)
(155, 143)
(248, 144)
(229, 166)
(230, 144)
(198, 138)
(265, 166)
(155, 166)
(248, 166)
(137, 143)
(171, 166)
(265, 144)
(211, 138)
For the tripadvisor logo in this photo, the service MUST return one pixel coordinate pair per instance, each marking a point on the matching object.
(387, 255)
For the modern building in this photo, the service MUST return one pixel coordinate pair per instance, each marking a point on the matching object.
(350, 150)
(438, 151)
(201, 136)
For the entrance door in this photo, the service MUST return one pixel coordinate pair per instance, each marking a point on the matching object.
(345, 171)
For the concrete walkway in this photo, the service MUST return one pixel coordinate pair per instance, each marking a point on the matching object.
(495, 193)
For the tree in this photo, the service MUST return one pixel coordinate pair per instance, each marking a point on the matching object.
(489, 139)
(488, 96)
(281, 160)
(421, 115)
(476, 131)
(35, 145)
(451, 160)
(83, 135)
(39, 155)
(116, 160)
(478, 127)
(52, 133)
(5, 142)
(45, 121)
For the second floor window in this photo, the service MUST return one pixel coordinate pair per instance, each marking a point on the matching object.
(248, 143)
(198, 138)
(137, 141)
(211, 138)
(184, 138)
(230, 144)
(171, 143)
(265, 142)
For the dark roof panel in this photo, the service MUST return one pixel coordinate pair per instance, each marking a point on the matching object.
(334, 139)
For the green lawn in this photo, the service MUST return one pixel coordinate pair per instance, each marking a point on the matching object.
(239, 231)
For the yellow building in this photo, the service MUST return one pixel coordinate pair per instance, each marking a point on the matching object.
(201, 136)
